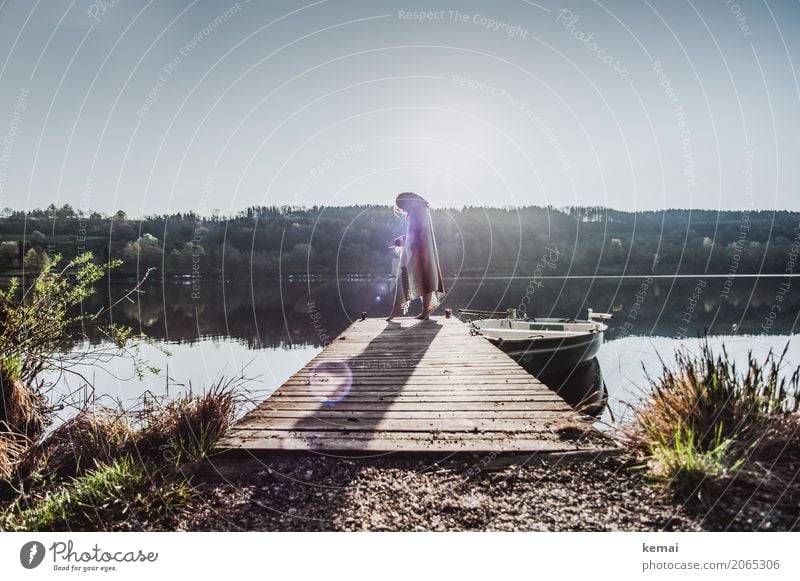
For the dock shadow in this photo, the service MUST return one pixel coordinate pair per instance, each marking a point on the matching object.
(380, 373)
(311, 489)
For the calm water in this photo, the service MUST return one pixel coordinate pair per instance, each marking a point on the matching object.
(268, 329)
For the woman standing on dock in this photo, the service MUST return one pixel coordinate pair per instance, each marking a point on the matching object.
(418, 274)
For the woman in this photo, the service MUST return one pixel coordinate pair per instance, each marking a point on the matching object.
(418, 274)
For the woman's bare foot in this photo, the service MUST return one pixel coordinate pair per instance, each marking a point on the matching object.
(426, 306)
(396, 310)
(424, 314)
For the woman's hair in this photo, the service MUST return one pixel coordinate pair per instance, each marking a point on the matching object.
(408, 201)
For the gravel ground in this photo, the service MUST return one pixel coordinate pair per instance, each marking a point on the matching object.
(330, 494)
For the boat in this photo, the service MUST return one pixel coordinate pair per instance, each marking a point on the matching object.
(561, 352)
(543, 344)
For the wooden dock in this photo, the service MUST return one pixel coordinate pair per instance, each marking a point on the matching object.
(412, 386)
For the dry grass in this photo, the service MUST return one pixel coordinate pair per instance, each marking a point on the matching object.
(186, 429)
(23, 417)
(99, 469)
(706, 425)
(74, 446)
(10, 452)
(24, 411)
(39, 322)
(177, 432)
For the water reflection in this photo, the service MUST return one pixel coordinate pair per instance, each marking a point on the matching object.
(273, 313)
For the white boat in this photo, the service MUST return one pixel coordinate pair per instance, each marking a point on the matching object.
(549, 348)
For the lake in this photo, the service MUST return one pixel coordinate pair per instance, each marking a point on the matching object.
(268, 329)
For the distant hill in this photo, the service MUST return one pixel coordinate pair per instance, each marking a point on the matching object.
(268, 241)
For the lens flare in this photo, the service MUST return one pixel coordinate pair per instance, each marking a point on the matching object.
(330, 381)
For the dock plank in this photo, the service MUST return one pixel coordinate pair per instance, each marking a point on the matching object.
(412, 386)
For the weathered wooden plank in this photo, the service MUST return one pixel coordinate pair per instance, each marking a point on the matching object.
(333, 431)
(421, 397)
(389, 445)
(544, 422)
(443, 388)
(405, 378)
(405, 406)
(411, 410)
(401, 379)
(385, 418)
(424, 383)
(399, 442)
(456, 355)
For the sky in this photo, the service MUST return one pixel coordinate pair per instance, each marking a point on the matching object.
(214, 106)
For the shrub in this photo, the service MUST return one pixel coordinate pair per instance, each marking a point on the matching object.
(102, 466)
(705, 423)
(38, 326)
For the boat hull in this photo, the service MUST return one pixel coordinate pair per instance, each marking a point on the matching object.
(543, 356)
(561, 353)
(581, 387)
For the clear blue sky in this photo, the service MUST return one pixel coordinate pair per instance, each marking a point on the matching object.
(198, 105)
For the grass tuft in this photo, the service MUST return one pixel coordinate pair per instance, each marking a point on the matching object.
(122, 488)
(185, 430)
(75, 446)
(706, 424)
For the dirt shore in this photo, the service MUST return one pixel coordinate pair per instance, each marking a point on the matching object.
(332, 494)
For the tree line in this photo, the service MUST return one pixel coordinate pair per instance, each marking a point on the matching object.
(270, 241)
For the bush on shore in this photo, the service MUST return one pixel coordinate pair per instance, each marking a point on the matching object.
(103, 466)
(707, 427)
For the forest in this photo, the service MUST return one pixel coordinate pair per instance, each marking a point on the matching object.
(285, 241)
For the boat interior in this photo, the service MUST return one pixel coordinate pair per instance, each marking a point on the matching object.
(544, 327)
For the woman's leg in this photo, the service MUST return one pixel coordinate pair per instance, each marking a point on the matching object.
(401, 284)
(399, 294)
(426, 306)
(397, 309)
